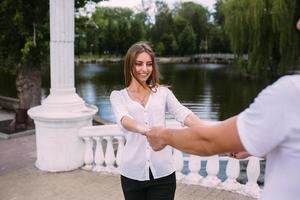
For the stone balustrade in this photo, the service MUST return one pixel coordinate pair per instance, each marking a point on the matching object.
(104, 146)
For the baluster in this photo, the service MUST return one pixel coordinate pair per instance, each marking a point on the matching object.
(120, 150)
(178, 161)
(253, 170)
(109, 155)
(212, 169)
(194, 165)
(99, 155)
(88, 154)
(232, 172)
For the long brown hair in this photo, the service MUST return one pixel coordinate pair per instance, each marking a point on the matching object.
(129, 63)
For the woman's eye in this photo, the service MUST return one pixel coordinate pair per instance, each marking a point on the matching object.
(141, 64)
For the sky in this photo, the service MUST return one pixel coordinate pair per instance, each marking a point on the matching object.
(135, 3)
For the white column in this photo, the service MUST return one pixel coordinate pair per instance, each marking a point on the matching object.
(63, 112)
(62, 56)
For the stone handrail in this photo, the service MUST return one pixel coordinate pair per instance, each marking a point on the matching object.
(9, 103)
(104, 146)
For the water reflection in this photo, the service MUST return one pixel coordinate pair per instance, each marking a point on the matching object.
(212, 91)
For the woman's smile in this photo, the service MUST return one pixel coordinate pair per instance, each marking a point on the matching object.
(143, 66)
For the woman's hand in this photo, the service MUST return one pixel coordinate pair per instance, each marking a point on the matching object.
(142, 129)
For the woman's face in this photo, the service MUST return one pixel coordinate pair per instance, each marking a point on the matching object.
(143, 67)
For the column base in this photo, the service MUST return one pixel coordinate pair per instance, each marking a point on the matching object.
(57, 143)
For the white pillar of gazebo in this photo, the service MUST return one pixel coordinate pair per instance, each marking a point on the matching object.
(63, 112)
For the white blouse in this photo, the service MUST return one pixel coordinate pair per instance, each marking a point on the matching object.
(138, 156)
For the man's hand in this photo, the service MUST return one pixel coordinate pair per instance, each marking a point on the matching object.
(155, 139)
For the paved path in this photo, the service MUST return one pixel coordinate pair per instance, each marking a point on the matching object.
(20, 180)
(16, 153)
(32, 184)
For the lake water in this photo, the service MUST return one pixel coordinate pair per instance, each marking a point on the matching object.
(212, 91)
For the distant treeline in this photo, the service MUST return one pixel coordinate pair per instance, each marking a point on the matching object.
(186, 29)
(263, 29)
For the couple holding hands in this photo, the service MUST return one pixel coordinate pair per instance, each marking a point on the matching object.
(270, 127)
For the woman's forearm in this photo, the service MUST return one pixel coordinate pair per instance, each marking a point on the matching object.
(133, 126)
(193, 120)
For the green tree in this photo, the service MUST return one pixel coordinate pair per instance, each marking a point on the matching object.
(24, 46)
(100, 21)
(163, 28)
(125, 19)
(218, 13)
(218, 41)
(197, 17)
(265, 30)
(80, 35)
(170, 44)
(160, 48)
(138, 28)
(187, 41)
(117, 29)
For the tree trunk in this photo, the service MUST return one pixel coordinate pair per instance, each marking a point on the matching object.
(28, 83)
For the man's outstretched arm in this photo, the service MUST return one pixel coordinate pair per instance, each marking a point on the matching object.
(202, 140)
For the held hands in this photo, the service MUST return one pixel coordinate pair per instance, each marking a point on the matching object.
(240, 155)
(142, 129)
(155, 139)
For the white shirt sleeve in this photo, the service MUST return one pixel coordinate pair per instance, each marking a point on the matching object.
(261, 127)
(179, 111)
(119, 108)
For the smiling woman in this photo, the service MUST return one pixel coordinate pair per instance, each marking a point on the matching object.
(145, 174)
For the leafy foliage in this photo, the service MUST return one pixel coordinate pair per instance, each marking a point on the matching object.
(178, 31)
(24, 46)
(24, 32)
(265, 29)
